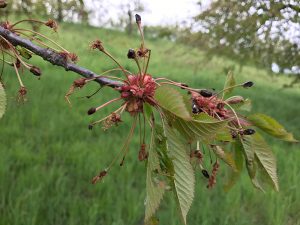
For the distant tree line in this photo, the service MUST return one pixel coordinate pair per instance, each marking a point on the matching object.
(263, 32)
(72, 10)
(77, 11)
(260, 32)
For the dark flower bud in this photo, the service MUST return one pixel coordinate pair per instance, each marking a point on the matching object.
(248, 132)
(91, 111)
(138, 18)
(36, 71)
(183, 86)
(131, 54)
(205, 173)
(195, 109)
(91, 127)
(3, 4)
(18, 64)
(248, 84)
(122, 162)
(205, 93)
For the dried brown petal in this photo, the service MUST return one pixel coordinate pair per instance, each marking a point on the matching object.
(52, 24)
(97, 44)
(79, 83)
(99, 177)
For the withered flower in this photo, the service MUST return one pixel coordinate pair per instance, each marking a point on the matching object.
(52, 24)
(97, 44)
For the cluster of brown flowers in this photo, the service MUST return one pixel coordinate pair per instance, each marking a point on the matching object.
(143, 153)
(139, 88)
(68, 56)
(113, 120)
(210, 104)
(212, 178)
(136, 91)
(3, 4)
(52, 24)
(99, 177)
(18, 57)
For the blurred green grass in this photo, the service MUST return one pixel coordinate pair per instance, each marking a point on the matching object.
(48, 156)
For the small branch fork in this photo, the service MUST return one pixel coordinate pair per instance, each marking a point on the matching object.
(55, 58)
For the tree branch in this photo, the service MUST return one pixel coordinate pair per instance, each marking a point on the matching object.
(55, 58)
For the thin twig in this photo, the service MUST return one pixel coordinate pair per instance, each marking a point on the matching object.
(55, 58)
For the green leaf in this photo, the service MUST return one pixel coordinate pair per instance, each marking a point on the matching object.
(248, 147)
(266, 158)
(147, 111)
(239, 162)
(225, 156)
(224, 135)
(173, 101)
(229, 83)
(152, 221)
(154, 190)
(2, 101)
(271, 127)
(202, 127)
(263, 159)
(184, 179)
(165, 162)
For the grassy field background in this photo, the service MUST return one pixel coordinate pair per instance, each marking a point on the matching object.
(48, 156)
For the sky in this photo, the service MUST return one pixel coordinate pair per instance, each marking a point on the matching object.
(169, 11)
(160, 12)
(157, 12)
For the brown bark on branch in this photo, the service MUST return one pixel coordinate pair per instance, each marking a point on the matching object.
(55, 58)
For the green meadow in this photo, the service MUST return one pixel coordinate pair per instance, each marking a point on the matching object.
(48, 156)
